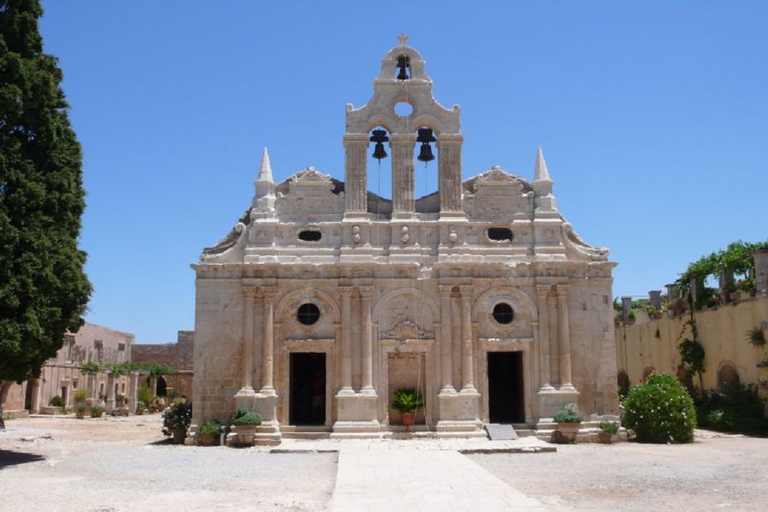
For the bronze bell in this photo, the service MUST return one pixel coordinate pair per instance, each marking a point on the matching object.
(425, 137)
(403, 62)
(379, 137)
(425, 154)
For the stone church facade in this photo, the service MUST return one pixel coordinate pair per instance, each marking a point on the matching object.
(326, 298)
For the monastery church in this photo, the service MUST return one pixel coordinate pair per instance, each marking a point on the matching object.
(325, 298)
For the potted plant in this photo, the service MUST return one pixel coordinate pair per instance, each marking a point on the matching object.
(208, 433)
(122, 404)
(97, 411)
(80, 411)
(756, 337)
(80, 396)
(176, 420)
(140, 406)
(244, 423)
(607, 430)
(407, 401)
(568, 422)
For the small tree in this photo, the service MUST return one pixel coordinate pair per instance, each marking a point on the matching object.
(43, 289)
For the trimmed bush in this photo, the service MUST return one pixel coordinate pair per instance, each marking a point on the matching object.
(660, 411)
(736, 408)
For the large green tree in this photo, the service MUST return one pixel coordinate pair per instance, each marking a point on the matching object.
(43, 288)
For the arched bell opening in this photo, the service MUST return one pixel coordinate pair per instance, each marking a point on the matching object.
(380, 171)
(403, 69)
(425, 169)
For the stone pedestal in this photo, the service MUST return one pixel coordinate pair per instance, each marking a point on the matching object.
(268, 433)
(459, 415)
(356, 417)
(551, 401)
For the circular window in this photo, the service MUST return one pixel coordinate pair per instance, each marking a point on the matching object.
(403, 109)
(308, 314)
(503, 313)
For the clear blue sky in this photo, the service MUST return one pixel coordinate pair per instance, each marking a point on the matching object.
(653, 117)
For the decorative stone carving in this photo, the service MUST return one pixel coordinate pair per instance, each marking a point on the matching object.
(409, 330)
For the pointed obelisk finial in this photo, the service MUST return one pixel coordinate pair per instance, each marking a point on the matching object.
(264, 198)
(265, 171)
(540, 172)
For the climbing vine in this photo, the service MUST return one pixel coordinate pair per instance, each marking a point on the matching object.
(691, 352)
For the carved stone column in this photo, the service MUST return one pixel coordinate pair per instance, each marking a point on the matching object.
(542, 291)
(268, 348)
(446, 345)
(346, 340)
(403, 185)
(467, 371)
(355, 174)
(366, 292)
(449, 170)
(249, 294)
(565, 336)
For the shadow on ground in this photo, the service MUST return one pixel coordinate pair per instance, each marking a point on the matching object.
(9, 458)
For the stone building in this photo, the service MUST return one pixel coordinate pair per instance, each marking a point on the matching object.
(177, 355)
(61, 375)
(325, 298)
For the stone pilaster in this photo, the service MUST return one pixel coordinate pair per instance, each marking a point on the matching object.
(366, 292)
(249, 305)
(449, 170)
(446, 345)
(467, 370)
(542, 292)
(346, 340)
(403, 184)
(355, 174)
(268, 347)
(761, 271)
(565, 336)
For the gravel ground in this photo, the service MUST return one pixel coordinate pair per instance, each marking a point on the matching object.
(717, 471)
(114, 464)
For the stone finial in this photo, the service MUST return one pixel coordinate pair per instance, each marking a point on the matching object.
(654, 298)
(264, 199)
(402, 39)
(540, 172)
(265, 171)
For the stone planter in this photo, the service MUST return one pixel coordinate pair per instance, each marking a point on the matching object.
(244, 434)
(604, 437)
(567, 432)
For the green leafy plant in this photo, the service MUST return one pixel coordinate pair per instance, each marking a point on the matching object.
(735, 408)
(121, 399)
(56, 401)
(660, 411)
(756, 337)
(609, 426)
(144, 394)
(97, 411)
(407, 400)
(568, 414)
(140, 406)
(89, 367)
(209, 428)
(691, 352)
(177, 417)
(244, 417)
(80, 395)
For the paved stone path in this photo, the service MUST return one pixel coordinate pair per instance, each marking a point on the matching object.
(420, 480)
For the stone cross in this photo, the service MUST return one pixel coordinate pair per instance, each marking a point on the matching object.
(402, 39)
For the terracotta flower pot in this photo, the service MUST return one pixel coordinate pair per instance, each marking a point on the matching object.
(568, 431)
(407, 418)
(206, 440)
(604, 437)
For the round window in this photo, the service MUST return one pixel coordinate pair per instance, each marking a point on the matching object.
(308, 314)
(503, 313)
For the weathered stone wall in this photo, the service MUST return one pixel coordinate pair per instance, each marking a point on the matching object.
(722, 333)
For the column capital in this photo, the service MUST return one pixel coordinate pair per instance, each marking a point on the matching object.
(445, 290)
(366, 291)
(346, 290)
(250, 291)
(562, 290)
(402, 138)
(466, 291)
(268, 292)
(542, 290)
(356, 137)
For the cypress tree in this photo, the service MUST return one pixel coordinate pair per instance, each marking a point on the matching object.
(43, 288)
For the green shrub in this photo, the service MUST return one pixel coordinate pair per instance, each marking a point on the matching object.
(80, 395)
(56, 401)
(609, 426)
(97, 411)
(144, 394)
(568, 414)
(245, 417)
(210, 428)
(177, 417)
(737, 408)
(660, 411)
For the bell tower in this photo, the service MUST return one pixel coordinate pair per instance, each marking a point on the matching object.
(402, 85)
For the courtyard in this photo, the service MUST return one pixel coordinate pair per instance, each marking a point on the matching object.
(113, 463)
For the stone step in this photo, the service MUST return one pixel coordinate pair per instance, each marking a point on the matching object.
(500, 432)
